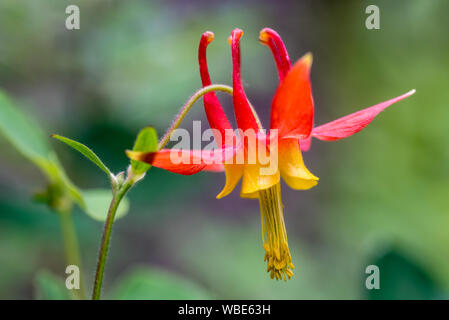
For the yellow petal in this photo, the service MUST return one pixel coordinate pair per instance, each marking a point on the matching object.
(299, 183)
(233, 174)
(292, 167)
(253, 195)
(254, 181)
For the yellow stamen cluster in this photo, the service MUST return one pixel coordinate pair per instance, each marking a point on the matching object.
(274, 235)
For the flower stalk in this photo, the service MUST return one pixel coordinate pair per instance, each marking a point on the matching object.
(186, 108)
(71, 248)
(104, 246)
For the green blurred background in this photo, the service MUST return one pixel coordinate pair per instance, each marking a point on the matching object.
(383, 193)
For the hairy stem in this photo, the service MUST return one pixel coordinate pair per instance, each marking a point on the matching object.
(71, 247)
(189, 104)
(185, 109)
(117, 197)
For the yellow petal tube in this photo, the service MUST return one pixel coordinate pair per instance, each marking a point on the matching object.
(292, 167)
(274, 235)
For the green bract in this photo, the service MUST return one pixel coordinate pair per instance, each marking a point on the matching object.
(146, 141)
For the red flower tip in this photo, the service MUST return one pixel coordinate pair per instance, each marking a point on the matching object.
(264, 35)
(208, 36)
(237, 34)
(214, 112)
(243, 111)
(273, 40)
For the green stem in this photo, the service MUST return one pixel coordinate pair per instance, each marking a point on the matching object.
(185, 109)
(117, 197)
(71, 247)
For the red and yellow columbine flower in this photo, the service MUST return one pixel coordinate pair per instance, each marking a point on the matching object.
(291, 130)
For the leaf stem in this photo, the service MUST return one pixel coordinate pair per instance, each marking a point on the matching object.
(117, 197)
(71, 247)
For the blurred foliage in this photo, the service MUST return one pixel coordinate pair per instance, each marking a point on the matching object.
(134, 64)
(402, 278)
(27, 137)
(152, 284)
(97, 203)
(50, 287)
(60, 192)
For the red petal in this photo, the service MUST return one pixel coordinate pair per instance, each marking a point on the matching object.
(186, 162)
(292, 107)
(243, 112)
(163, 160)
(214, 167)
(214, 111)
(273, 40)
(354, 122)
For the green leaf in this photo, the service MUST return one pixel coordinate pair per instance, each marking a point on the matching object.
(403, 278)
(97, 204)
(147, 142)
(149, 283)
(50, 287)
(23, 133)
(26, 136)
(88, 153)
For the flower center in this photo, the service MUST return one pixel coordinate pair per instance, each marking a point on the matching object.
(274, 235)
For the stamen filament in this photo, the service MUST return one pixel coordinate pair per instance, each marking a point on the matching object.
(274, 234)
